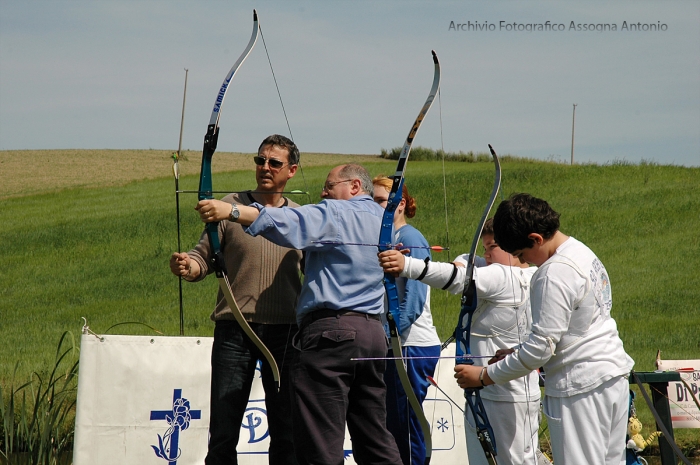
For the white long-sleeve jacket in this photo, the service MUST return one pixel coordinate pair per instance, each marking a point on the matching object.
(573, 334)
(501, 320)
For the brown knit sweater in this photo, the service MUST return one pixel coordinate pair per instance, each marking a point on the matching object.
(265, 278)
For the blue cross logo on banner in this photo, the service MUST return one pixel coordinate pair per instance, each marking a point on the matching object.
(178, 419)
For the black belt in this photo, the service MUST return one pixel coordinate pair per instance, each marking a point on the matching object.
(328, 313)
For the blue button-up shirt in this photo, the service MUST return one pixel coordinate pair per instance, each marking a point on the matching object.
(336, 276)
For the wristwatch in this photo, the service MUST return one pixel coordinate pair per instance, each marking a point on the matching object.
(235, 213)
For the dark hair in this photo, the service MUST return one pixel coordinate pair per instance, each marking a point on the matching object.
(285, 143)
(488, 228)
(519, 216)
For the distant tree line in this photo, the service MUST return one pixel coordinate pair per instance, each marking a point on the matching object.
(427, 154)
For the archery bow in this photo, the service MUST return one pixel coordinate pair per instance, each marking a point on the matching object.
(484, 431)
(205, 192)
(385, 237)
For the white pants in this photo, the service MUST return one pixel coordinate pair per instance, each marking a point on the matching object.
(515, 427)
(589, 428)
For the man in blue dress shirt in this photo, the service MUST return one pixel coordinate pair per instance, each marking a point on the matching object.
(338, 315)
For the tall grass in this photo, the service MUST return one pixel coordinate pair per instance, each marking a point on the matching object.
(38, 416)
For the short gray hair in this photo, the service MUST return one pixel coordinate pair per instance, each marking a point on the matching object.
(353, 171)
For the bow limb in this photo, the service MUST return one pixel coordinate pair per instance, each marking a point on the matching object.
(385, 239)
(484, 431)
(205, 192)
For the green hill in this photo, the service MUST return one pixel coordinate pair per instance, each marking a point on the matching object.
(75, 247)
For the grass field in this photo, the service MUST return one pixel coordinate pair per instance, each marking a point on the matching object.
(89, 234)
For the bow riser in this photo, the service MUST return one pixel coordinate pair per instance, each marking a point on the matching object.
(205, 178)
(205, 187)
(483, 427)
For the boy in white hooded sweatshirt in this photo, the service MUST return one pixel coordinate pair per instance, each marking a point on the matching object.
(573, 337)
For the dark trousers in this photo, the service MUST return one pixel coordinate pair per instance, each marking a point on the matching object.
(330, 389)
(233, 361)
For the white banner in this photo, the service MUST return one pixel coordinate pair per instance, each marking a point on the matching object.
(142, 400)
(684, 412)
(145, 400)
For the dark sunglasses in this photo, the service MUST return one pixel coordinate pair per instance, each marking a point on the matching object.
(274, 163)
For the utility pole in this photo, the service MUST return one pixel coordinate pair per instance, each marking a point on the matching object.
(573, 122)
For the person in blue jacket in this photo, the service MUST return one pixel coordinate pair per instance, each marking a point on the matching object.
(419, 337)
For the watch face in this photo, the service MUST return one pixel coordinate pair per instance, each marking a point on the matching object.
(235, 213)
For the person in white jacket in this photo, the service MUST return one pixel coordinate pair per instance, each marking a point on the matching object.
(574, 338)
(501, 321)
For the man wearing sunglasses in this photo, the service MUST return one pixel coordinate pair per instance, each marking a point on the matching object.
(265, 280)
(338, 315)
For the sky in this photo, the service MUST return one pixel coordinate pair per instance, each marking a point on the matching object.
(353, 76)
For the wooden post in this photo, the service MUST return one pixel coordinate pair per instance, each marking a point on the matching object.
(573, 122)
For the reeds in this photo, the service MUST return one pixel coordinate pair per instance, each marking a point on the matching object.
(38, 416)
